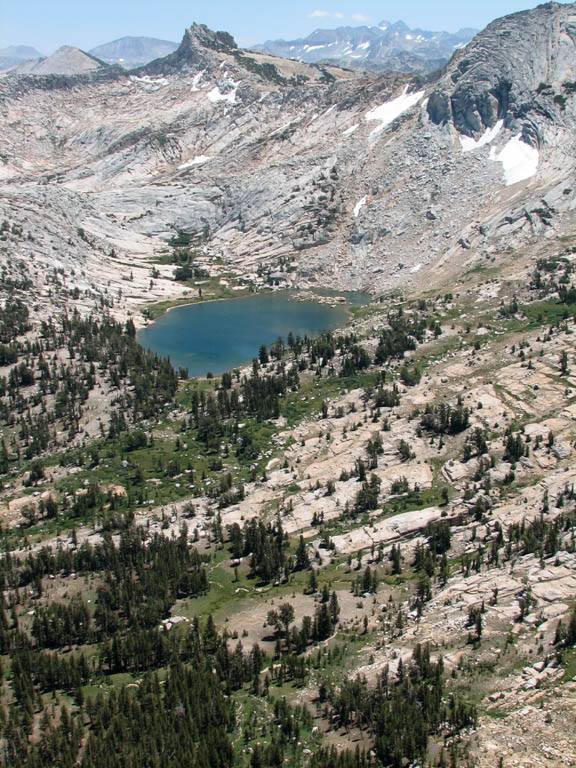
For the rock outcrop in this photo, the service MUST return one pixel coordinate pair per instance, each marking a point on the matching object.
(508, 72)
(196, 51)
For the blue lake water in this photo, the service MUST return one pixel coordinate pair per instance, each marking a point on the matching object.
(218, 336)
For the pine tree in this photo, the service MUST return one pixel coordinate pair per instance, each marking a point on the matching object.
(334, 608)
(312, 586)
(302, 558)
(396, 558)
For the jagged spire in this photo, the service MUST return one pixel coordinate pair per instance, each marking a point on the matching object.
(196, 51)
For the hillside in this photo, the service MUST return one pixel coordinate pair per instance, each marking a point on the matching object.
(295, 151)
(359, 549)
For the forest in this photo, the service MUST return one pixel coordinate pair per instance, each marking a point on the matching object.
(97, 666)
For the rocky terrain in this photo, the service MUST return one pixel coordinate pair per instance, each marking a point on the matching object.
(357, 181)
(420, 464)
(499, 349)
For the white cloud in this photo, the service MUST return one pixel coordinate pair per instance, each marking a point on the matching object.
(360, 18)
(325, 15)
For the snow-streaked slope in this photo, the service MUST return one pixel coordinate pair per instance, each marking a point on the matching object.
(519, 160)
(469, 144)
(388, 112)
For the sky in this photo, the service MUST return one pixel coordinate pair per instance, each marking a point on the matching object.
(48, 24)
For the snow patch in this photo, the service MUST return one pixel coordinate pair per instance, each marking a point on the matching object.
(216, 95)
(388, 112)
(468, 144)
(146, 80)
(519, 160)
(282, 128)
(198, 160)
(196, 81)
(415, 268)
(359, 205)
(313, 47)
(350, 131)
(365, 46)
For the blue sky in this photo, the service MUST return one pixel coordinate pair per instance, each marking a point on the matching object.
(48, 24)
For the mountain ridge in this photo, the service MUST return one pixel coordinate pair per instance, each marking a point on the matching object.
(374, 47)
(210, 110)
(67, 60)
(486, 83)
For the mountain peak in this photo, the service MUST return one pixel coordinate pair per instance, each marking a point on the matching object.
(65, 61)
(196, 51)
(21, 52)
(202, 35)
(399, 26)
(17, 54)
(130, 52)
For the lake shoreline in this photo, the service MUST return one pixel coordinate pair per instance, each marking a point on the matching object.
(314, 298)
(210, 339)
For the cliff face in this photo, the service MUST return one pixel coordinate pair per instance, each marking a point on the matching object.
(356, 181)
(501, 74)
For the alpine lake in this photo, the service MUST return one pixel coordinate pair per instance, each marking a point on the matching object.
(218, 336)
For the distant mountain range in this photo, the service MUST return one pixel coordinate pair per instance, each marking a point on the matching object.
(16, 54)
(131, 52)
(64, 61)
(387, 46)
(127, 52)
